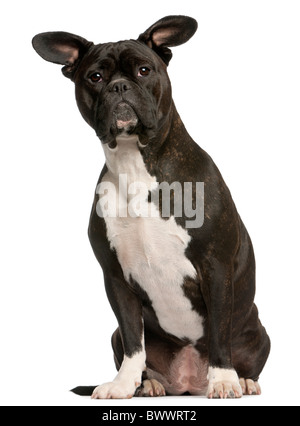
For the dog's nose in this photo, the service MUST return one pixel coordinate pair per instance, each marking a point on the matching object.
(119, 86)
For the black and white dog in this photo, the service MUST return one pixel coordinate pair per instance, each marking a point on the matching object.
(178, 263)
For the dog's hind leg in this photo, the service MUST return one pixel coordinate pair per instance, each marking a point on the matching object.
(117, 345)
(250, 351)
(150, 387)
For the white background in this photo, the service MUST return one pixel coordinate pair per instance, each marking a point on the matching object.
(236, 85)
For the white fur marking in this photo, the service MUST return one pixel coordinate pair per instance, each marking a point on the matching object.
(221, 374)
(127, 380)
(224, 380)
(151, 250)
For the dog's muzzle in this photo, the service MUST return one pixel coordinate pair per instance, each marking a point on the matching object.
(125, 117)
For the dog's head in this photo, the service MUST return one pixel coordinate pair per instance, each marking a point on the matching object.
(124, 86)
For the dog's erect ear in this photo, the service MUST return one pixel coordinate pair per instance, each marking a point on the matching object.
(169, 32)
(62, 48)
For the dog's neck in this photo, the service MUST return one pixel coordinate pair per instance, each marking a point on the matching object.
(174, 139)
(173, 142)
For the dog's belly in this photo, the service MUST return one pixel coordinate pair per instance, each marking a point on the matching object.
(151, 250)
(187, 372)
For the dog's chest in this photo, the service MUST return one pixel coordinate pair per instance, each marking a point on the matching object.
(150, 250)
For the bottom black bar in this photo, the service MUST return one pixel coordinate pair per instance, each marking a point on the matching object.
(103, 415)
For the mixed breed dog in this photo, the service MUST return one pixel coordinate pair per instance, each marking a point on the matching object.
(178, 263)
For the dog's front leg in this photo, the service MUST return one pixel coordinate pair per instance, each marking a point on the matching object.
(128, 310)
(217, 288)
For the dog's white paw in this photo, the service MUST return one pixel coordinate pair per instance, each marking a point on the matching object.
(223, 383)
(115, 390)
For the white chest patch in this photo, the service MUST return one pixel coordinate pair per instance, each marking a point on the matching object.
(151, 250)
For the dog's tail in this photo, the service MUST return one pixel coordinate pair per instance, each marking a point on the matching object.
(83, 390)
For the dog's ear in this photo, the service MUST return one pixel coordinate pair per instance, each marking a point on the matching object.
(169, 32)
(62, 48)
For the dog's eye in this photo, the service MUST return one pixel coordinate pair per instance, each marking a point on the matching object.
(96, 77)
(144, 71)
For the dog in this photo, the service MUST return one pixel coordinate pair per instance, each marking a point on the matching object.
(182, 290)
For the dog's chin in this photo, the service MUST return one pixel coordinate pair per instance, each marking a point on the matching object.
(126, 125)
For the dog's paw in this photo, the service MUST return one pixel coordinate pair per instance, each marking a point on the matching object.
(115, 390)
(151, 388)
(249, 387)
(224, 390)
(223, 384)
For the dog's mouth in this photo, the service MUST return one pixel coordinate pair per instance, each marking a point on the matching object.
(125, 121)
(125, 117)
